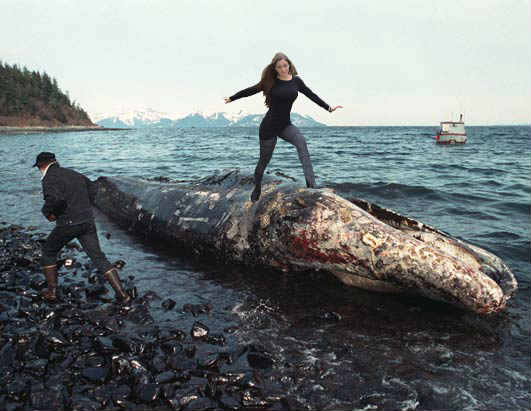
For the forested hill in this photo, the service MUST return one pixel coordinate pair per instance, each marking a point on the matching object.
(29, 98)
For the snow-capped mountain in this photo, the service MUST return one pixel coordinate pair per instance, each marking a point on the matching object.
(131, 118)
(152, 118)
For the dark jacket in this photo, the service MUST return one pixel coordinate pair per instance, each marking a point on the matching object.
(68, 195)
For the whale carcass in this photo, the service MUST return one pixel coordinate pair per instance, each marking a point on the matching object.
(296, 229)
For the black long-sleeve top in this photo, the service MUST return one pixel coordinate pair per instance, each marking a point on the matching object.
(283, 94)
(68, 195)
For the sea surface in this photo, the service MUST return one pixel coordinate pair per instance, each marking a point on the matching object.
(332, 346)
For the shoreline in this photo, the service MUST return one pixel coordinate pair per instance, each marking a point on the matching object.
(87, 352)
(62, 129)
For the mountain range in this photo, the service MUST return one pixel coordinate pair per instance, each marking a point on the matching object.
(150, 118)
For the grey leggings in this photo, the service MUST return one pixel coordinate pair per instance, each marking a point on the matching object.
(292, 135)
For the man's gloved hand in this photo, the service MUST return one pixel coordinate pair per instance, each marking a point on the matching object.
(51, 217)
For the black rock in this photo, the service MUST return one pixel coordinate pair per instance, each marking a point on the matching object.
(56, 339)
(215, 339)
(47, 400)
(200, 404)
(147, 392)
(120, 393)
(252, 397)
(171, 334)
(182, 397)
(180, 362)
(168, 304)
(158, 363)
(96, 375)
(257, 357)
(95, 291)
(231, 329)
(331, 316)
(95, 361)
(171, 347)
(37, 367)
(122, 344)
(17, 389)
(13, 406)
(229, 402)
(104, 344)
(82, 403)
(197, 309)
(165, 377)
(121, 365)
(199, 330)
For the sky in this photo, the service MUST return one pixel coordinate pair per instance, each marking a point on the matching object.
(388, 62)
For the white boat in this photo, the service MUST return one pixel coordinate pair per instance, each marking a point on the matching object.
(451, 132)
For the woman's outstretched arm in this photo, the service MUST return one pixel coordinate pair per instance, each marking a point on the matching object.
(249, 91)
(314, 97)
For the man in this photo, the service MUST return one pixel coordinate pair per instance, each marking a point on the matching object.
(67, 201)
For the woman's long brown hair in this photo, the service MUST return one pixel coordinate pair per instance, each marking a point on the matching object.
(269, 75)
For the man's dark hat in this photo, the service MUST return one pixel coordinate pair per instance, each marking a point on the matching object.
(44, 158)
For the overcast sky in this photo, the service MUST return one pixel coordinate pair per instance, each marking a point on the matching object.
(388, 62)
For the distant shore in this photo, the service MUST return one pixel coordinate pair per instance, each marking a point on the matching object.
(41, 129)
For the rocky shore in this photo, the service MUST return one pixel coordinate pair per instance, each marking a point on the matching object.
(86, 352)
(62, 129)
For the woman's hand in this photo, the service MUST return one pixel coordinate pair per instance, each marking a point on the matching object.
(332, 109)
(227, 100)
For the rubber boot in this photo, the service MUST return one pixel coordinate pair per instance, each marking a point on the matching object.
(50, 273)
(116, 284)
(255, 195)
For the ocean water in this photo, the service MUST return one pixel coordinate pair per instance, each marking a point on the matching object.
(333, 347)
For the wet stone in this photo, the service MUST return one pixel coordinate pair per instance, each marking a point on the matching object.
(147, 392)
(122, 344)
(159, 363)
(83, 403)
(121, 392)
(215, 339)
(252, 397)
(171, 347)
(183, 397)
(104, 344)
(259, 358)
(56, 339)
(12, 406)
(229, 402)
(171, 334)
(37, 367)
(180, 362)
(120, 366)
(17, 389)
(95, 374)
(200, 404)
(150, 296)
(95, 291)
(231, 330)
(47, 400)
(197, 309)
(95, 361)
(166, 377)
(199, 330)
(168, 304)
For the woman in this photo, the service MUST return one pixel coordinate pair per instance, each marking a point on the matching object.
(280, 85)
